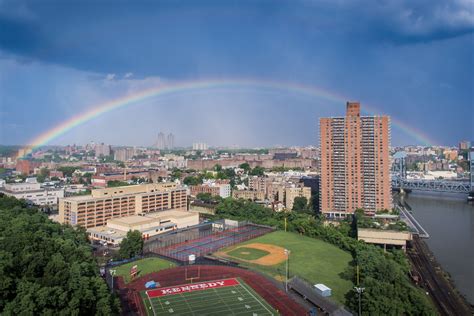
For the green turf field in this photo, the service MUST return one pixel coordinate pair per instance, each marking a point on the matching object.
(239, 299)
(312, 259)
(145, 266)
(248, 253)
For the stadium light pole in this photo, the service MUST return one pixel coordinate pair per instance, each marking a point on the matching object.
(359, 291)
(112, 273)
(287, 254)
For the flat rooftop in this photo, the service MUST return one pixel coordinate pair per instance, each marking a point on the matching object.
(129, 190)
(150, 217)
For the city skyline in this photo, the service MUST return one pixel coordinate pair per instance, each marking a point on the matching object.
(375, 61)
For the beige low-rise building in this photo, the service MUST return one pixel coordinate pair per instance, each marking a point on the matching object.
(258, 183)
(384, 237)
(149, 225)
(102, 204)
(216, 188)
(290, 193)
(248, 195)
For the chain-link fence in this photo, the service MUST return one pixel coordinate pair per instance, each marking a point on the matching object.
(204, 239)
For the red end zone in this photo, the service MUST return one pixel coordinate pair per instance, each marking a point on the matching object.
(191, 287)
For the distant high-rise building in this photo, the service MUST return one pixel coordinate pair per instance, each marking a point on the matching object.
(124, 154)
(102, 150)
(200, 146)
(170, 143)
(161, 142)
(355, 163)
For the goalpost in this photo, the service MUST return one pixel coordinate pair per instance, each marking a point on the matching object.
(190, 277)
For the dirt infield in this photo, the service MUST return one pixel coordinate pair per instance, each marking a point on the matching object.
(275, 256)
(175, 276)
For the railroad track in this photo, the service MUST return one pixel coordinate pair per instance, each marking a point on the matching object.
(447, 302)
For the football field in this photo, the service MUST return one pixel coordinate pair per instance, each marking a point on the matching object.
(220, 297)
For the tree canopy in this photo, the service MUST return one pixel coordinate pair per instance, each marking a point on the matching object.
(191, 180)
(300, 204)
(257, 171)
(47, 268)
(131, 245)
(208, 198)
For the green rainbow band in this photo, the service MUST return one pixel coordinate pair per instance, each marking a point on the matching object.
(186, 86)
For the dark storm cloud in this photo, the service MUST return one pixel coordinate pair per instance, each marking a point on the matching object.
(409, 59)
(152, 38)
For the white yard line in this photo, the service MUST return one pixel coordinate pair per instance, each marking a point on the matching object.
(151, 304)
(256, 299)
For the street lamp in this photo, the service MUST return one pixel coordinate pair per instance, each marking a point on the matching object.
(359, 291)
(287, 254)
(112, 273)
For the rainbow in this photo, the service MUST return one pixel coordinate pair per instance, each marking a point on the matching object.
(197, 85)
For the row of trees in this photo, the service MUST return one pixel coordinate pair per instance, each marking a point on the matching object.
(388, 289)
(47, 268)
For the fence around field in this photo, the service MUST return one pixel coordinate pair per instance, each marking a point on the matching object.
(204, 239)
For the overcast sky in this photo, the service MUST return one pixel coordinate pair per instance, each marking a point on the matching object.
(413, 60)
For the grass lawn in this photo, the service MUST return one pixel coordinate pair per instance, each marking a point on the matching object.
(312, 259)
(247, 253)
(145, 266)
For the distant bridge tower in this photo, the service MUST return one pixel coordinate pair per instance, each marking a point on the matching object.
(399, 166)
(471, 169)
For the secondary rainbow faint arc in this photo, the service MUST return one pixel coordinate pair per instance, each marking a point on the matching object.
(186, 86)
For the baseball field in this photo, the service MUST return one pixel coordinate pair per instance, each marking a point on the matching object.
(312, 259)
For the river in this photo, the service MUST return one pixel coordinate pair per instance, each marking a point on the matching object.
(450, 224)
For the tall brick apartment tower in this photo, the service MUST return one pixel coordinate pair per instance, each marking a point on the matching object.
(355, 163)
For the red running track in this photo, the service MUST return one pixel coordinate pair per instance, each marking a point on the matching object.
(176, 276)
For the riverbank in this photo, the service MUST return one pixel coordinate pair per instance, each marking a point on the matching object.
(435, 281)
(450, 224)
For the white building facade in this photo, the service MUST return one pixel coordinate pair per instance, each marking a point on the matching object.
(33, 193)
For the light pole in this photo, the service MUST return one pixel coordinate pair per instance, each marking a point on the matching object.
(359, 291)
(287, 254)
(112, 273)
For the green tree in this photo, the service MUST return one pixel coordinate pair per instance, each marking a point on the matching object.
(208, 198)
(67, 171)
(176, 174)
(116, 183)
(205, 197)
(300, 204)
(47, 268)
(191, 180)
(245, 166)
(257, 171)
(131, 245)
(43, 174)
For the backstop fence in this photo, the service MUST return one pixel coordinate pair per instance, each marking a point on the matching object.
(204, 239)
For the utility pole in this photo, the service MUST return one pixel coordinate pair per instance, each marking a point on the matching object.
(359, 291)
(112, 273)
(287, 254)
